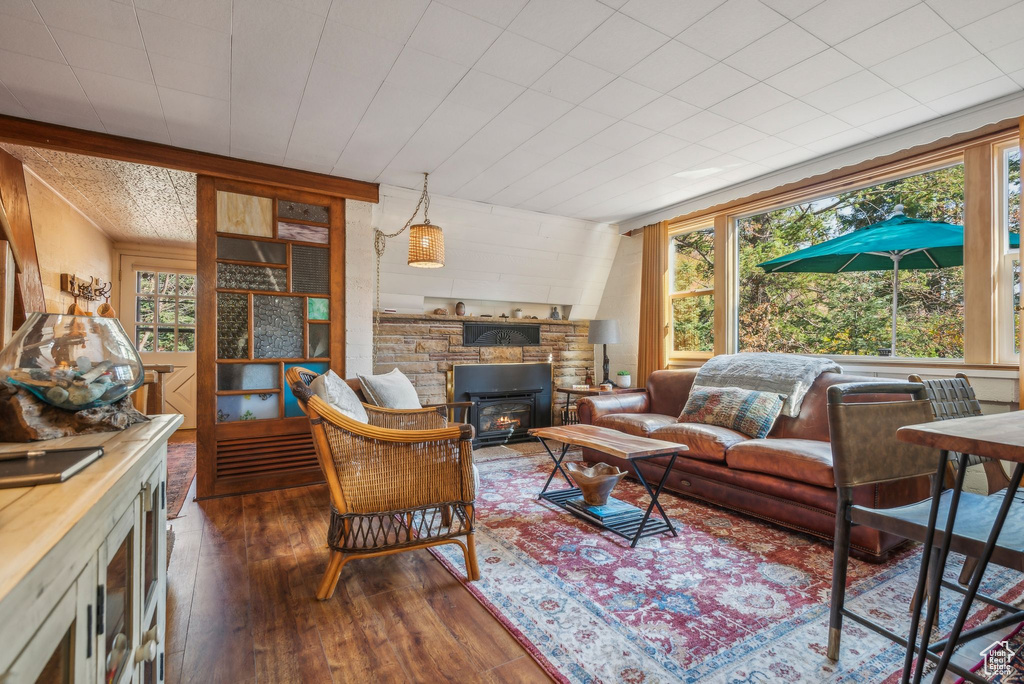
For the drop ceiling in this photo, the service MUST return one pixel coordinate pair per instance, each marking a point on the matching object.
(598, 110)
(130, 203)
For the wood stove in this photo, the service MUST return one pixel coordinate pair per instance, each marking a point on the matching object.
(508, 399)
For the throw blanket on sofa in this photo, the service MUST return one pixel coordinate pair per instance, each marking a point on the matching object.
(788, 375)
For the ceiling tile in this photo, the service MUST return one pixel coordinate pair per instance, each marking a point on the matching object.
(839, 141)
(1009, 57)
(390, 19)
(793, 113)
(124, 106)
(996, 29)
(935, 55)
(559, 24)
(178, 74)
(212, 14)
(176, 38)
(814, 73)
(953, 79)
(833, 21)
(669, 16)
(730, 27)
(575, 126)
(876, 107)
(28, 38)
(657, 146)
(664, 112)
(484, 92)
(622, 136)
(896, 35)
(497, 12)
(573, 80)
(791, 8)
(712, 86)
(517, 59)
(444, 132)
(968, 97)
(425, 74)
(103, 19)
(757, 99)
(452, 35)
(669, 66)
(846, 91)
(732, 138)
(196, 122)
(620, 98)
(618, 44)
(898, 121)
(782, 48)
(959, 13)
(357, 52)
(536, 109)
(40, 84)
(815, 129)
(22, 9)
(699, 126)
(103, 56)
(9, 104)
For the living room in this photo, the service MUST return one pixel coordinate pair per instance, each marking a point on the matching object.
(531, 340)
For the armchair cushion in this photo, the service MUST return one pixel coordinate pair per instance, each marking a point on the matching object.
(391, 390)
(336, 392)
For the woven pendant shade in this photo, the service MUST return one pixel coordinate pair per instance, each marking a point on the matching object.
(426, 246)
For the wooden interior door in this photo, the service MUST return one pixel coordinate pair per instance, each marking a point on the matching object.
(271, 275)
(158, 311)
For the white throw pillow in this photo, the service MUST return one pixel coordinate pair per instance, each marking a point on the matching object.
(336, 392)
(391, 390)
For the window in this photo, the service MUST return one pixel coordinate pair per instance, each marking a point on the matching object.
(692, 290)
(851, 313)
(165, 311)
(1008, 160)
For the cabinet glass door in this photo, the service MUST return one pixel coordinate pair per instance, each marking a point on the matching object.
(119, 615)
(154, 521)
(59, 669)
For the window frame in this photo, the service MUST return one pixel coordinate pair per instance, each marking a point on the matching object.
(156, 296)
(1006, 327)
(673, 294)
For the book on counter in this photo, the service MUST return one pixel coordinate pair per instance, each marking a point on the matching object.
(612, 509)
(44, 466)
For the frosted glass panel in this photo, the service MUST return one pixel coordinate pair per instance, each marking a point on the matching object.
(310, 269)
(277, 327)
(248, 376)
(251, 250)
(318, 309)
(245, 214)
(247, 407)
(303, 212)
(239, 277)
(232, 326)
(319, 340)
(302, 233)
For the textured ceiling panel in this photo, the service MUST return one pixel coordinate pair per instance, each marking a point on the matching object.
(129, 202)
(514, 102)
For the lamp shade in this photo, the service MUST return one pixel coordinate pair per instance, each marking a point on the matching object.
(603, 332)
(426, 246)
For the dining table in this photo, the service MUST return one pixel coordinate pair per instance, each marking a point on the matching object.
(996, 436)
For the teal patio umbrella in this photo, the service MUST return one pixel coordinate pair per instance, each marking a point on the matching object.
(897, 243)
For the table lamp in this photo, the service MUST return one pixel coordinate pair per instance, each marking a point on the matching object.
(604, 332)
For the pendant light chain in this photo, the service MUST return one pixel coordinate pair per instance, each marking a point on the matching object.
(380, 241)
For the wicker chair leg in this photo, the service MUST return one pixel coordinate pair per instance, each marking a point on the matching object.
(446, 516)
(331, 575)
(472, 569)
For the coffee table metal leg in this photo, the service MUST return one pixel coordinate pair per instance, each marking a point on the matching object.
(558, 465)
(654, 498)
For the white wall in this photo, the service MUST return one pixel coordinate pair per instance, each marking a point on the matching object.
(621, 301)
(359, 280)
(497, 254)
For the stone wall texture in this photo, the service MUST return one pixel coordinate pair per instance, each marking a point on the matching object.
(425, 347)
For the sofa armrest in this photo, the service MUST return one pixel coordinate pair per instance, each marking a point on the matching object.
(590, 409)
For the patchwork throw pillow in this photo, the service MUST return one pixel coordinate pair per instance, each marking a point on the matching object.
(390, 390)
(748, 411)
(336, 392)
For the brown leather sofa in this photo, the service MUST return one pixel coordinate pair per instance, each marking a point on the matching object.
(785, 478)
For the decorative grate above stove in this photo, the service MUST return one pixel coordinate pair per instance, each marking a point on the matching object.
(500, 335)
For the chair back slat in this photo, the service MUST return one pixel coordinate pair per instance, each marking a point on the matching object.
(953, 398)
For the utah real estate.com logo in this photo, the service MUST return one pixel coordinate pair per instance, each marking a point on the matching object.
(997, 659)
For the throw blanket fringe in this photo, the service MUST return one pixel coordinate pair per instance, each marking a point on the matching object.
(787, 375)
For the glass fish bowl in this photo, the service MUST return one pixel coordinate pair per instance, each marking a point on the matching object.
(72, 362)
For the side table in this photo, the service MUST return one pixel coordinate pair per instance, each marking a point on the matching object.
(569, 416)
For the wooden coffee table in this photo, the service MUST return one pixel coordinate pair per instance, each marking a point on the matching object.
(635, 523)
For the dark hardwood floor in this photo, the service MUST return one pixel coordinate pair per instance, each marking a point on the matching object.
(241, 605)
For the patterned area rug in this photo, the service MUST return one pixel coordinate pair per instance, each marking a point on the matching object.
(730, 599)
(181, 469)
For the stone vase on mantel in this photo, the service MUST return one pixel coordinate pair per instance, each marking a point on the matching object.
(460, 309)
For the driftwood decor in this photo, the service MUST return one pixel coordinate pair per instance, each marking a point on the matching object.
(24, 418)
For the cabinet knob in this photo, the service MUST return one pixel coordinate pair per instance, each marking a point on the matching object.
(146, 652)
(149, 635)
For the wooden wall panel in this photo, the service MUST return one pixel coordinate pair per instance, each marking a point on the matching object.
(981, 272)
(14, 195)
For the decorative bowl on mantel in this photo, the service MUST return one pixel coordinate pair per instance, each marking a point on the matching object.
(72, 362)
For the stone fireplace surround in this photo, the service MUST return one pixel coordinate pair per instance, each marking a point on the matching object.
(426, 346)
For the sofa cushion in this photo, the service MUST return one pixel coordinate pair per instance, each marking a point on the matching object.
(750, 412)
(639, 424)
(802, 460)
(706, 442)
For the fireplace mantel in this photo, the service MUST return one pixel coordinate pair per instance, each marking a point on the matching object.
(475, 319)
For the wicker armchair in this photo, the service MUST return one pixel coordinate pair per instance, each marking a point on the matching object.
(403, 481)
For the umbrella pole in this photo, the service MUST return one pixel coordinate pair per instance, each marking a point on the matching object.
(895, 300)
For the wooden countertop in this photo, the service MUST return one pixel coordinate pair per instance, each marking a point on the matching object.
(999, 435)
(34, 519)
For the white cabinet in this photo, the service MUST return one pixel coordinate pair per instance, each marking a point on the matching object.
(83, 592)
